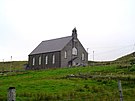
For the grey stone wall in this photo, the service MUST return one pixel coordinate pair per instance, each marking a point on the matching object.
(80, 51)
(78, 60)
(64, 61)
(43, 65)
(50, 57)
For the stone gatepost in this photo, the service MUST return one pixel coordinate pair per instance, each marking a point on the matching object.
(11, 94)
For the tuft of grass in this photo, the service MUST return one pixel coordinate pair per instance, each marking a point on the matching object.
(132, 69)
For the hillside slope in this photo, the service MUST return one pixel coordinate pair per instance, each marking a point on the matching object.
(130, 58)
(13, 66)
(127, 60)
(97, 83)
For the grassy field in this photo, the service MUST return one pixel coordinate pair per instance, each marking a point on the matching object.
(99, 84)
(91, 83)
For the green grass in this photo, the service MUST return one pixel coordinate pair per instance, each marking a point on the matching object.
(51, 85)
(92, 83)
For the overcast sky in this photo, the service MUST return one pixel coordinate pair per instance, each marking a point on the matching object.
(106, 27)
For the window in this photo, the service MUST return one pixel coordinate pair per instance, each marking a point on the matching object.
(39, 60)
(65, 56)
(82, 56)
(33, 61)
(46, 60)
(74, 51)
(53, 59)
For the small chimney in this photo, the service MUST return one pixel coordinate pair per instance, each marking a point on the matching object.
(74, 33)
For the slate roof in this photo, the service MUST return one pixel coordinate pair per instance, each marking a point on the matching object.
(51, 45)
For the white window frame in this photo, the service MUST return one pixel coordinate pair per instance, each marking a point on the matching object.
(33, 61)
(74, 51)
(46, 60)
(65, 54)
(39, 60)
(53, 59)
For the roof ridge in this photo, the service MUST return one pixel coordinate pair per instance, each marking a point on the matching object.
(56, 38)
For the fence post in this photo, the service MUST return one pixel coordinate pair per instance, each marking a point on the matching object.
(11, 94)
(120, 90)
(3, 67)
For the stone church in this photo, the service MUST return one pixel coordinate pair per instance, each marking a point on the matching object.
(57, 53)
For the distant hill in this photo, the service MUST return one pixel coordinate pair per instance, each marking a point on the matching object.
(15, 65)
(128, 57)
(126, 60)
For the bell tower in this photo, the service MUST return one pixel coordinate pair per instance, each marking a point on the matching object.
(74, 33)
(74, 47)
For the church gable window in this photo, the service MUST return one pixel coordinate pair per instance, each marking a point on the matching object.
(83, 56)
(65, 54)
(74, 51)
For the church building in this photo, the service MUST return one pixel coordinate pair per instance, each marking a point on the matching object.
(57, 53)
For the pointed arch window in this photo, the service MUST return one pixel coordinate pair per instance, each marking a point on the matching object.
(74, 51)
(46, 60)
(65, 54)
(83, 56)
(39, 60)
(33, 61)
(53, 59)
